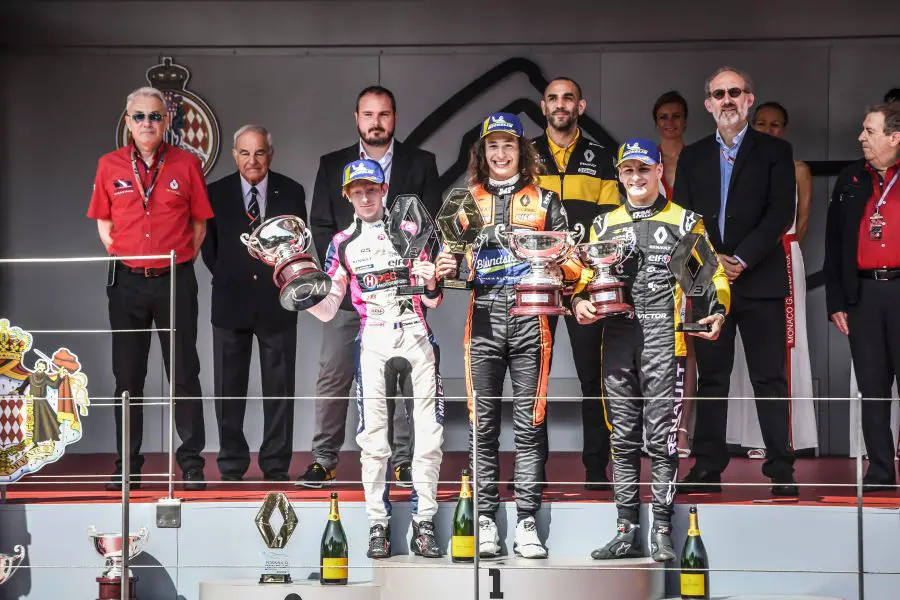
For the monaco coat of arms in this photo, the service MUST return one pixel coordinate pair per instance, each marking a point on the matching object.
(41, 408)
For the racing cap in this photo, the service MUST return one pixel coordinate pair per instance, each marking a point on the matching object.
(501, 121)
(362, 170)
(640, 149)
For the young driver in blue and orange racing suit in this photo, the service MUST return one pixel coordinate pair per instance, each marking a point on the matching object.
(393, 335)
(503, 170)
(643, 362)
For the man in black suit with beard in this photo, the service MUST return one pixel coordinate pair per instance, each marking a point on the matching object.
(245, 304)
(407, 170)
(743, 184)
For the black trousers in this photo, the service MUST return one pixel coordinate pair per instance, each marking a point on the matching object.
(875, 347)
(763, 331)
(587, 341)
(137, 302)
(232, 349)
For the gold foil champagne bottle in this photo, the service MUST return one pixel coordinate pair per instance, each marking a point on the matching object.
(334, 549)
(694, 563)
(462, 543)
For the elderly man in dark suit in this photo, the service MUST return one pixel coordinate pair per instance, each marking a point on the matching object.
(407, 170)
(245, 304)
(743, 184)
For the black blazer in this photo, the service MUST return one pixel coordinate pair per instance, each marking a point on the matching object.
(413, 171)
(852, 191)
(760, 209)
(243, 293)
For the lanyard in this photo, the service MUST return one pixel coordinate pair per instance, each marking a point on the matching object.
(157, 169)
(881, 201)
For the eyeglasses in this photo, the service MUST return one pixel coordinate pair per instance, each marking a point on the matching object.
(732, 93)
(138, 117)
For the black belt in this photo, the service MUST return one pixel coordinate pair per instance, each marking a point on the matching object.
(879, 274)
(148, 272)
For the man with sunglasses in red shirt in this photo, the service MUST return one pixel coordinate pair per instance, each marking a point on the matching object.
(742, 182)
(150, 198)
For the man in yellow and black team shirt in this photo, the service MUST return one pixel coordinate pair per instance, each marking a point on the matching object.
(581, 171)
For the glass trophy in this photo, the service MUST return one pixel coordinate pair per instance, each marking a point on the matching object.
(693, 264)
(411, 232)
(459, 223)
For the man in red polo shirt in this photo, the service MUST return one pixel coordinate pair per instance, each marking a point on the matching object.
(150, 198)
(862, 270)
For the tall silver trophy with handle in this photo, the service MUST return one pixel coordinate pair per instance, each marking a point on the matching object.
(283, 242)
(606, 291)
(540, 291)
(111, 546)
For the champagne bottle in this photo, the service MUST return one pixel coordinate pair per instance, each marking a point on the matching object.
(462, 543)
(694, 563)
(334, 551)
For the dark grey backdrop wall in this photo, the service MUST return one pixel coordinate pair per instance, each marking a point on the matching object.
(296, 68)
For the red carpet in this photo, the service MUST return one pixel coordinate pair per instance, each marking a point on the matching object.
(80, 478)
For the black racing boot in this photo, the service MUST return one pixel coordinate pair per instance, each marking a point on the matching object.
(379, 542)
(661, 548)
(424, 541)
(626, 544)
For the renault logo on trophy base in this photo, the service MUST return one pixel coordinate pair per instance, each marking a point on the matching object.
(460, 223)
(605, 291)
(110, 547)
(10, 562)
(282, 242)
(411, 231)
(277, 567)
(693, 264)
(540, 291)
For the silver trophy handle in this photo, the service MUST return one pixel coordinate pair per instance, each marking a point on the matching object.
(500, 232)
(143, 536)
(252, 244)
(307, 239)
(577, 233)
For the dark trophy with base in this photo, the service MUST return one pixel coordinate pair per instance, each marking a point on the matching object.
(693, 264)
(460, 223)
(411, 232)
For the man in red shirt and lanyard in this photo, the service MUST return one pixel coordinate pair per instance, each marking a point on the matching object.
(862, 270)
(150, 198)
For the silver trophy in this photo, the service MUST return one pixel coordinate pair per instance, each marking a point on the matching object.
(110, 546)
(605, 290)
(282, 242)
(10, 562)
(540, 291)
(276, 567)
(411, 231)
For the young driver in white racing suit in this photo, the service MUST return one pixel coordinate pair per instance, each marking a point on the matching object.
(644, 357)
(393, 336)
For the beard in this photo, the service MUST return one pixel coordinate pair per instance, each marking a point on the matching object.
(731, 117)
(562, 121)
(369, 137)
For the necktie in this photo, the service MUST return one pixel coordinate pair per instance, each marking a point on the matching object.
(253, 207)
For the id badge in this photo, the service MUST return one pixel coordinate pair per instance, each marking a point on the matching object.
(876, 225)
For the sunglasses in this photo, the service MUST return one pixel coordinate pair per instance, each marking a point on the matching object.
(732, 93)
(138, 117)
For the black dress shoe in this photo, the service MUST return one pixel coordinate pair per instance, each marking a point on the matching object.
(785, 486)
(878, 485)
(194, 481)
(115, 482)
(699, 481)
(232, 477)
(276, 476)
(596, 481)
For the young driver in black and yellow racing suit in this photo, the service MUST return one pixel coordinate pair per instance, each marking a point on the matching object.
(644, 357)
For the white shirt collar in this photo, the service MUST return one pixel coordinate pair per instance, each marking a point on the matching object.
(384, 159)
(736, 142)
(261, 187)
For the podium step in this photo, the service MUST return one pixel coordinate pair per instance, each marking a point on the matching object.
(251, 589)
(411, 578)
